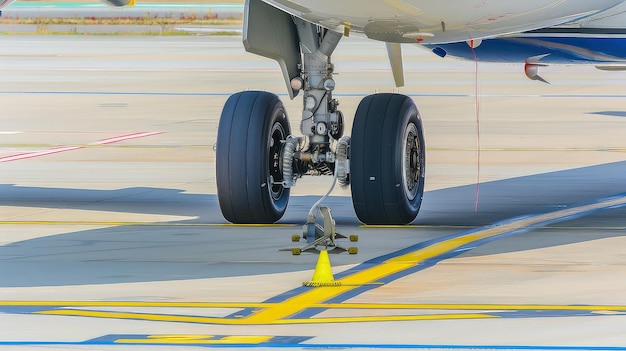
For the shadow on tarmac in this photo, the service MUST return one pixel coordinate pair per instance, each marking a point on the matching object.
(199, 248)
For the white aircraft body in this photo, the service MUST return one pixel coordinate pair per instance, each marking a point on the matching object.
(437, 21)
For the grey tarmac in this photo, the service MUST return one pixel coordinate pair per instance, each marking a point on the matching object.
(111, 235)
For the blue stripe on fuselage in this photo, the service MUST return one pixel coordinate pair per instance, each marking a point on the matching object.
(564, 48)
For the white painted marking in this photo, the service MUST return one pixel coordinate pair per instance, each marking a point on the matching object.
(60, 149)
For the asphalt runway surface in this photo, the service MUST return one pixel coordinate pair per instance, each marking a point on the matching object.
(52, 9)
(91, 10)
(111, 235)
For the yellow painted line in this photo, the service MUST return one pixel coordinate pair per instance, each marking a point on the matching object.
(136, 304)
(253, 225)
(418, 226)
(98, 223)
(400, 318)
(381, 306)
(472, 307)
(400, 263)
(143, 316)
(113, 223)
(279, 313)
(414, 226)
(198, 339)
(316, 296)
(290, 321)
(248, 321)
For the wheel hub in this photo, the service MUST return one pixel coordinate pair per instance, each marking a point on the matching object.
(411, 162)
(277, 137)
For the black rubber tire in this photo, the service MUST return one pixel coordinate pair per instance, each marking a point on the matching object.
(380, 193)
(246, 159)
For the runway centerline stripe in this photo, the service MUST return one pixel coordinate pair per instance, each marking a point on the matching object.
(60, 149)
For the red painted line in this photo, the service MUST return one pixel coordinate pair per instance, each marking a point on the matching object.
(125, 137)
(56, 150)
(59, 132)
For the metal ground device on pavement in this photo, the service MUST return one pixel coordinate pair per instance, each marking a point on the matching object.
(322, 237)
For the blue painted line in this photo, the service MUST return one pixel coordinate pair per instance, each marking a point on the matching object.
(137, 338)
(136, 316)
(607, 96)
(333, 346)
(161, 93)
(435, 260)
(547, 314)
(191, 94)
(23, 309)
(110, 93)
(357, 291)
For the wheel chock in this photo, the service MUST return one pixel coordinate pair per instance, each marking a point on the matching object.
(353, 250)
(295, 238)
(354, 238)
(296, 251)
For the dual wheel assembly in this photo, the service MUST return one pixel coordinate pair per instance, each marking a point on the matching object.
(386, 158)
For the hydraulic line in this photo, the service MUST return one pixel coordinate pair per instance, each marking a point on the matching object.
(316, 205)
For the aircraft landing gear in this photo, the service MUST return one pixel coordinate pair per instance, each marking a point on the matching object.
(258, 160)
